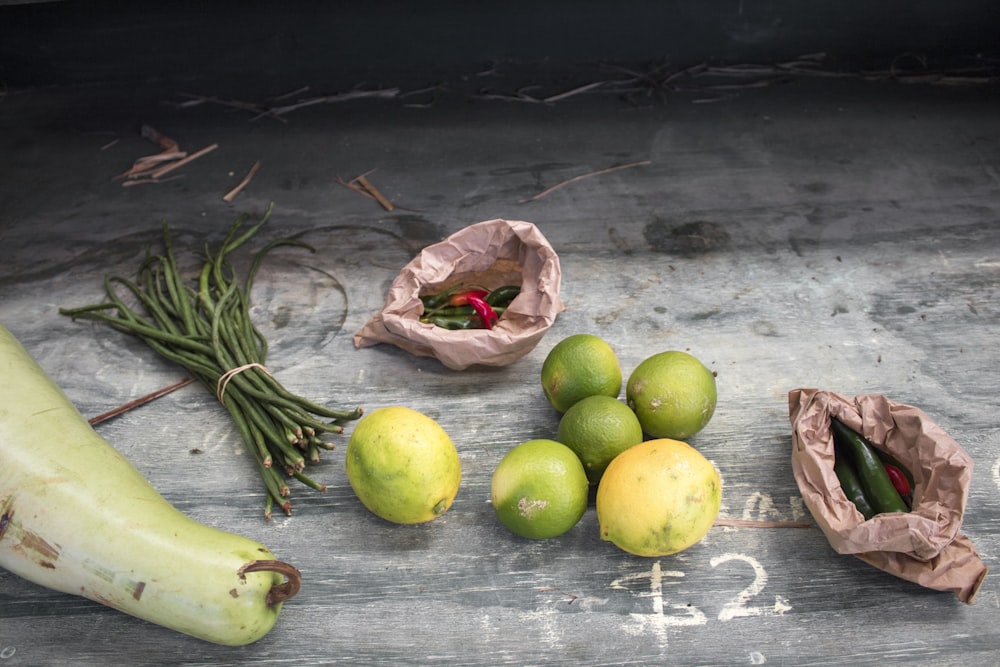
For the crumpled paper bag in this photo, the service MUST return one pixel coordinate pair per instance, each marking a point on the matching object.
(487, 254)
(924, 545)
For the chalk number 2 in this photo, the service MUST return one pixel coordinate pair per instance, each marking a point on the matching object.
(736, 607)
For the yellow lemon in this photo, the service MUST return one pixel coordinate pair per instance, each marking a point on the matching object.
(578, 366)
(599, 428)
(673, 394)
(402, 465)
(658, 497)
(539, 489)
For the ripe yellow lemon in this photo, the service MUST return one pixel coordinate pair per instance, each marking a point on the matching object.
(402, 465)
(539, 489)
(578, 366)
(658, 497)
(673, 394)
(599, 428)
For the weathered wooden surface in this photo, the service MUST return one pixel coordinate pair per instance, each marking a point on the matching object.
(838, 235)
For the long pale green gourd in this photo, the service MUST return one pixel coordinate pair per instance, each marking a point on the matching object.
(77, 517)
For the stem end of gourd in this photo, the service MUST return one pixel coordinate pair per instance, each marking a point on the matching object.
(279, 592)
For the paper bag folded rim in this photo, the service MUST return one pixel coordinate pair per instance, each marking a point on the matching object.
(475, 249)
(923, 545)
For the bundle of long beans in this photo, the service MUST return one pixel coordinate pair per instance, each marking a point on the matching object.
(207, 329)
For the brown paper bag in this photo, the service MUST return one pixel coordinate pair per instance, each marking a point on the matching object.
(487, 254)
(924, 545)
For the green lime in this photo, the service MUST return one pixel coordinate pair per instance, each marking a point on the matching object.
(539, 489)
(578, 366)
(599, 428)
(673, 394)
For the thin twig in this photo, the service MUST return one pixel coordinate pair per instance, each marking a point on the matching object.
(231, 195)
(572, 597)
(326, 99)
(293, 93)
(150, 133)
(169, 150)
(373, 191)
(599, 172)
(146, 181)
(748, 523)
(180, 163)
(574, 91)
(351, 185)
(363, 186)
(143, 400)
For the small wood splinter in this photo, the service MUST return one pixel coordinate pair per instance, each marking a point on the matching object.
(150, 168)
(362, 185)
(579, 177)
(142, 400)
(231, 195)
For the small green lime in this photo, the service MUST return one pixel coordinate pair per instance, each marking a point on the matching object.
(578, 366)
(599, 428)
(673, 394)
(539, 489)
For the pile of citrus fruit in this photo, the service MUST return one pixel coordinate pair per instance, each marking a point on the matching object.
(655, 496)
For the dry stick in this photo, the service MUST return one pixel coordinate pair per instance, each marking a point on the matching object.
(144, 181)
(292, 93)
(180, 163)
(326, 99)
(373, 191)
(748, 523)
(140, 401)
(599, 172)
(363, 186)
(146, 164)
(351, 185)
(277, 112)
(150, 133)
(235, 104)
(165, 156)
(169, 151)
(575, 91)
(231, 195)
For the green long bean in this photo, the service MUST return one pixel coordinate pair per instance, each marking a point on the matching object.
(206, 328)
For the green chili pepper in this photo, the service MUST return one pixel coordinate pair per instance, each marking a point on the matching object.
(456, 311)
(502, 296)
(451, 311)
(441, 298)
(851, 486)
(455, 323)
(871, 473)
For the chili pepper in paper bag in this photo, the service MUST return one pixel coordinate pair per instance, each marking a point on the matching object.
(876, 483)
(924, 545)
(469, 309)
(492, 254)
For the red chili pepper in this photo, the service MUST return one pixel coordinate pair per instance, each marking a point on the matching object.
(484, 310)
(898, 480)
(463, 298)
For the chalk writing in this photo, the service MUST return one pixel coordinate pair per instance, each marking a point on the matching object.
(761, 507)
(996, 473)
(737, 607)
(665, 614)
